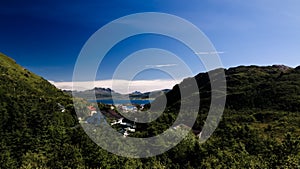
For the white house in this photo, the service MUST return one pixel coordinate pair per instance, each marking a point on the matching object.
(125, 134)
(130, 129)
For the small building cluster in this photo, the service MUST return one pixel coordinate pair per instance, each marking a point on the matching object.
(96, 117)
(127, 128)
(127, 108)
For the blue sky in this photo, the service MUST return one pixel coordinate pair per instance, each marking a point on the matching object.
(47, 36)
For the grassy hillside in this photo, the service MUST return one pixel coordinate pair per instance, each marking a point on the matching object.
(272, 87)
(16, 80)
(264, 91)
(31, 119)
(260, 127)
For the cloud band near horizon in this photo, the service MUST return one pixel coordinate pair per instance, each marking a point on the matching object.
(120, 86)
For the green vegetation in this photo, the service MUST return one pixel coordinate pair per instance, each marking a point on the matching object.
(260, 127)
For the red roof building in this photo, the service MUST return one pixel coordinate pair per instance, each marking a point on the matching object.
(91, 108)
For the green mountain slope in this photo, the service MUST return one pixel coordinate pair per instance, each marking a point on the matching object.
(16, 80)
(260, 127)
(36, 118)
(262, 90)
(272, 87)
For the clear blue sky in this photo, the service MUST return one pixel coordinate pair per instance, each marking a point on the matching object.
(47, 36)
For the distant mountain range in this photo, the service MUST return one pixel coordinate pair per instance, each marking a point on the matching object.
(99, 92)
(106, 93)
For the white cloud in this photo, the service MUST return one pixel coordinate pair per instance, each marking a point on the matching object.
(121, 86)
(209, 53)
(159, 66)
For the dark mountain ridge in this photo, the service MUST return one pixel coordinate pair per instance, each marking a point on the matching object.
(261, 87)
